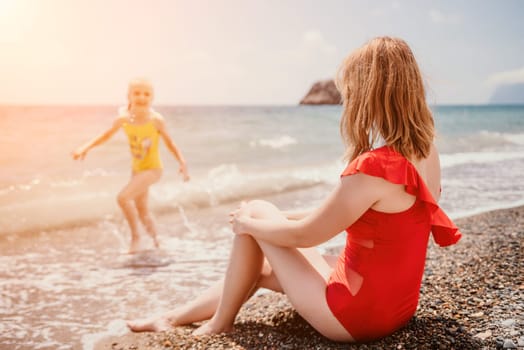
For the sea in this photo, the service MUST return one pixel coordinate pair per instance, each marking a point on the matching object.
(66, 281)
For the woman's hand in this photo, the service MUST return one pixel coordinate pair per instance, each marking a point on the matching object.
(238, 217)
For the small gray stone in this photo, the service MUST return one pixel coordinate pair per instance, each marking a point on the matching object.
(521, 341)
(508, 323)
(483, 335)
(509, 344)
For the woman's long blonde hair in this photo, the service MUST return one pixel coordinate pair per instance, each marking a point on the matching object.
(383, 96)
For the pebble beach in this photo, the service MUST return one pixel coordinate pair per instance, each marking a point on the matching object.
(472, 297)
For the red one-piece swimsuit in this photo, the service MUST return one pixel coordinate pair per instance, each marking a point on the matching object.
(387, 251)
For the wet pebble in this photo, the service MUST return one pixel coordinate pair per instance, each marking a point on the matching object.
(509, 344)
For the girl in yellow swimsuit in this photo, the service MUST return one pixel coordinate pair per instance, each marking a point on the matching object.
(143, 127)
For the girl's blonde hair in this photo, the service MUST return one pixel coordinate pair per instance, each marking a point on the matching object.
(383, 96)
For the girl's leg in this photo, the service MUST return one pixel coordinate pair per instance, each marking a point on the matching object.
(138, 183)
(145, 215)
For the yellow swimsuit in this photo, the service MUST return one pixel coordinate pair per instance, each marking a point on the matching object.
(143, 143)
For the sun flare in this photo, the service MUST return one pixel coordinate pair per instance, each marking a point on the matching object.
(7, 7)
(9, 16)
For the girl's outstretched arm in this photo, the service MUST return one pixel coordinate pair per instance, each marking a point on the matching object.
(81, 151)
(161, 127)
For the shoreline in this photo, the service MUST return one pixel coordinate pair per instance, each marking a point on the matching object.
(472, 297)
(484, 210)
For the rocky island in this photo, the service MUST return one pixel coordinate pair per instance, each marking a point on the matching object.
(322, 93)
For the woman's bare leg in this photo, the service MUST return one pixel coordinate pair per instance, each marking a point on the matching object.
(242, 274)
(299, 271)
(309, 270)
(304, 269)
(204, 306)
(200, 309)
(138, 183)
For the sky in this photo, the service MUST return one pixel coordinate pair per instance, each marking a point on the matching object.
(246, 52)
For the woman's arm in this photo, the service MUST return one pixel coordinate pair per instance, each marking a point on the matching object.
(433, 173)
(296, 214)
(81, 151)
(350, 199)
(161, 127)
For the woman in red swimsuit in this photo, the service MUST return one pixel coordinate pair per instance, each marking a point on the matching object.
(386, 201)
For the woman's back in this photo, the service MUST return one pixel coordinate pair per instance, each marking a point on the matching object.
(378, 275)
(397, 199)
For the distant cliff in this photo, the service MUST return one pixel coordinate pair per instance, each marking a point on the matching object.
(508, 94)
(322, 93)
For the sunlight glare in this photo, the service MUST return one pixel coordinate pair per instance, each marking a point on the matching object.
(6, 8)
(15, 19)
(8, 18)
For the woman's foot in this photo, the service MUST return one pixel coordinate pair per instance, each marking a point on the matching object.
(209, 329)
(158, 324)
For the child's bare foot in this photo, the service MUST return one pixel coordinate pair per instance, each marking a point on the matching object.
(134, 246)
(158, 324)
(208, 329)
(153, 236)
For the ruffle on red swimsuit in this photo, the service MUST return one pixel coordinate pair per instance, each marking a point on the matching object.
(386, 252)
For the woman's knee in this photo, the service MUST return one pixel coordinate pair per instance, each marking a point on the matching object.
(244, 239)
(259, 209)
